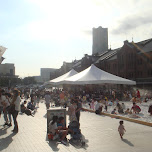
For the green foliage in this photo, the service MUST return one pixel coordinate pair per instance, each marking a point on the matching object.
(9, 81)
(13, 81)
(29, 80)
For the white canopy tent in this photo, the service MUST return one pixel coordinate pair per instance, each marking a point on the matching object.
(94, 75)
(62, 77)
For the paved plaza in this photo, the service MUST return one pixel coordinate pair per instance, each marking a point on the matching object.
(99, 132)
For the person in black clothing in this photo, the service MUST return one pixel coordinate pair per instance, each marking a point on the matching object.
(79, 107)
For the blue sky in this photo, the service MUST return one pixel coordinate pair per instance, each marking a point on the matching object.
(44, 33)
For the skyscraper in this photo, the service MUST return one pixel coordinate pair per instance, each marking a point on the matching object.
(100, 40)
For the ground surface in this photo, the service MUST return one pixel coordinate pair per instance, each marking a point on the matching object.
(100, 133)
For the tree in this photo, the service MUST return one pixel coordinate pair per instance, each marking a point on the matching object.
(29, 80)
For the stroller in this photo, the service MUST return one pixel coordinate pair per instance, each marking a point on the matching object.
(76, 135)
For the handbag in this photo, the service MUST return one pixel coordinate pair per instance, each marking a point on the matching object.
(11, 109)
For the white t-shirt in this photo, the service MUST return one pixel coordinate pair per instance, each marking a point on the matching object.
(17, 103)
(7, 102)
(97, 106)
(52, 128)
(2, 99)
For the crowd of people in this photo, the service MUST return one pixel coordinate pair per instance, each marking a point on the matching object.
(120, 107)
(75, 101)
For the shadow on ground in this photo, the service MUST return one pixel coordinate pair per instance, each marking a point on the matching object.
(76, 144)
(3, 130)
(45, 116)
(80, 144)
(127, 142)
(4, 142)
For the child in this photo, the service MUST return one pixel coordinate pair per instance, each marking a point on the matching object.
(114, 111)
(128, 111)
(106, 104)
(121, 129)
(136, 108)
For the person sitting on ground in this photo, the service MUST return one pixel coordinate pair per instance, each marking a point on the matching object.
(128, 111)
(110, 103)
(23, 106)
(98, 108)
(118, 105)
(123, 106)
(134, 100)
(92, 104)
(26, 110)
(150, 110)
(114, 111)
(30, 105)
(145, 100)
(117, 101)
(135, 108)
(61, 125)
(120, 109)
(138, 100)
(54, 130)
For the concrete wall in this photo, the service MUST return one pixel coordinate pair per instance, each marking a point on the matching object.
(45, 73)
(7, 69)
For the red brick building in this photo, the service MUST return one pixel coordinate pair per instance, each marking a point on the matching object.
(132, 61)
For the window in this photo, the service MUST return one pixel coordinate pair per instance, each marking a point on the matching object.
(139, 73)
(130, 75)
(114, 66)
(149, 73)
(148, 60)
(139, 61)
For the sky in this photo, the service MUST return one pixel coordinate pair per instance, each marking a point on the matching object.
(44, 33)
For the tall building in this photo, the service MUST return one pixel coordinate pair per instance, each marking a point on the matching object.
(100, 40)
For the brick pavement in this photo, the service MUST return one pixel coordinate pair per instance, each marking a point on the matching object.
(100, 133)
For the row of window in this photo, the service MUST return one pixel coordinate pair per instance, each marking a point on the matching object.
(149, 73)
(140, 74)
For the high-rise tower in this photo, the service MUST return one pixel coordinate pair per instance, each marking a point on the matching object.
(100, 40)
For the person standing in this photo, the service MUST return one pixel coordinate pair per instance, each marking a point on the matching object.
(121, 129)
(1, 102)
(92, 104)
(79, 107)
(47, 100)
(138, 94)
(62, 99)
(16, 102)
(6, 106)
(72, 111)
